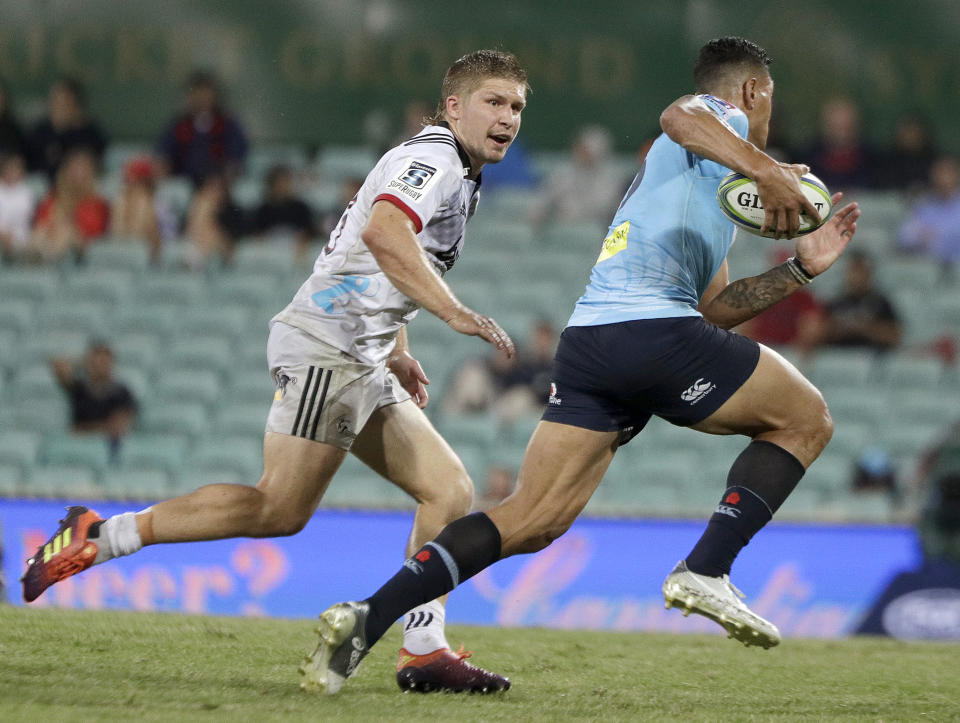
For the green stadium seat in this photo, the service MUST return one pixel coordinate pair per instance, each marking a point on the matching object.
(478, 430)
(171, 289)
(908, 273)
(154, 451)
(67, 482)
(908, 441)
(118, 255)
(241, 418)
(177, 384)
(118, 153)
(89, 317)
(136, 484)
(8, 348)
(21, 448)
(843, 367)
(250, 387)
(136, 348)
(176, 193)
(210, 352)
(247, 191)
(39, 349)
(247, 291)
(90, 451)
(240, 454)
(137, 318)
(804, 503)
(273, 258)
(11, 479)
(203, 321)
(174, 417)
(900, 372)
(357, 486)
(341, 162)
(520, 431)
(31, 284)
(46, 414)
(262, 158)
(17, 314)
(105, 286)
(32, 384)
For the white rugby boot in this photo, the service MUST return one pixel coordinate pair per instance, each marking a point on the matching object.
(717, 598)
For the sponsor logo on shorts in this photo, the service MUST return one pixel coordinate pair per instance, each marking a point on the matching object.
(282, 380)
(698, 390)
(554, 399)
(343, 427)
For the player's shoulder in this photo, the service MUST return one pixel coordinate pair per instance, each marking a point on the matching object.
(434, 143)
(718, 105)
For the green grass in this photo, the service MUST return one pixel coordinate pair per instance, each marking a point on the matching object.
(64, 665)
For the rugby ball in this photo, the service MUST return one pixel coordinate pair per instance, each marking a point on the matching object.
(740, 202)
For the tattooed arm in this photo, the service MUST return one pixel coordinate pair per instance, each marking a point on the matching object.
(729, 305)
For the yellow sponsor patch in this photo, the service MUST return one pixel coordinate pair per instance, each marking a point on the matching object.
(615, 242)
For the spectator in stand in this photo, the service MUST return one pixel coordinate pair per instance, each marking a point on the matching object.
(792, 322)
(214, 223)
(840, 157)
(497, 486)
(510, 388)
(138, 213)
(907, 165)
(587, 187)
(16, 207)
(861, 316)
(99, 404)
(13, 141)
(933, 225)
(205, 139)
(283, 215)
(66, 128)
(73, 215)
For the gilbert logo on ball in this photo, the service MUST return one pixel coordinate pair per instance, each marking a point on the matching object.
(740, 202)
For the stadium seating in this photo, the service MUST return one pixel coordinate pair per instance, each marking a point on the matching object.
(192, 348)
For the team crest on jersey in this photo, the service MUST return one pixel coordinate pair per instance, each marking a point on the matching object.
(412, 182)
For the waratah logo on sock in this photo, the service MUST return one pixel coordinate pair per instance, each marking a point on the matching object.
(698, 390)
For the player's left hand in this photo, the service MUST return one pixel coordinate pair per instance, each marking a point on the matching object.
(818, 250)
(411, 376)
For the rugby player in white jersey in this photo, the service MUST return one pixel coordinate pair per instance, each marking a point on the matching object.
(345, 378)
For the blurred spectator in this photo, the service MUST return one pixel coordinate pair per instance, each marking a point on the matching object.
(514, 171)
(509, 387)
(12, 138)
(214, 223)
(66, 128)
(138, 213)
(205, 139)
(840, 157)
(349, 188)
(16, 207)
(861, 316)
(907, 165)
(415, 114)
(791, 322)
(284, 215)
(497, 486)
(99, 404)
(586, 187)
(73, 214)
(933, 225)
(938, 480)
(874, 472)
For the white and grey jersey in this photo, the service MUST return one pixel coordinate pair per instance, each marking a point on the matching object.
(348, 302)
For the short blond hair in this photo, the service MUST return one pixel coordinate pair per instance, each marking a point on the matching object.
(472, 69)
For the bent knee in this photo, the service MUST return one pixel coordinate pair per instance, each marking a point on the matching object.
(451, 491)
(535, 539)
(279, 519)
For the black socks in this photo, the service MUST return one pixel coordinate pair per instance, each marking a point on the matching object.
(760, 480)
(461, 550)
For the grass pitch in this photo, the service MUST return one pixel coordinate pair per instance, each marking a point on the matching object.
(64, 665)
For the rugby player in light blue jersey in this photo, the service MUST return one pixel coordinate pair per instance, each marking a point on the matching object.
(650, 337)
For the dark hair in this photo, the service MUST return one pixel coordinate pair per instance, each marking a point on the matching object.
(202, 78)
(75, 88)
(465, 74)
(720, 55)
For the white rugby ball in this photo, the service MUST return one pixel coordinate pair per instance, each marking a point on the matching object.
(740, 202)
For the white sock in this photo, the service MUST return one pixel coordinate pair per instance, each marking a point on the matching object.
(118, 536)
(423, 629)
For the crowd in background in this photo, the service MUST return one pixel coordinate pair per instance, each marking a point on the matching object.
(205, 143)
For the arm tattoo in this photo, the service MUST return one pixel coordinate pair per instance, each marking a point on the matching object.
(745, 298)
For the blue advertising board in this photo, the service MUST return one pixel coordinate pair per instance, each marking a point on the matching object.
(811, 580)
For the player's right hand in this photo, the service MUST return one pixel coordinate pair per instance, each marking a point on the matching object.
(471, 323)
(782, 198)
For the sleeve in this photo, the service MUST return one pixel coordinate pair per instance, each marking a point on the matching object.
(419, 181)
(730, 116)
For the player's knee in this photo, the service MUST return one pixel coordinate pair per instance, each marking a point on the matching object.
(819, 421)
(276, 518)
(537, 537)
(452, 492)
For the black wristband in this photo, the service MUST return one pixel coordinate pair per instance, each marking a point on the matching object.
(799, 273)
(802, 269)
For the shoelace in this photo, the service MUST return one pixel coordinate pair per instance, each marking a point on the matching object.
(463, 654)
(733, 588)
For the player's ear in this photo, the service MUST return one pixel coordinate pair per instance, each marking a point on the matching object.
(749, 90)
(453, 107)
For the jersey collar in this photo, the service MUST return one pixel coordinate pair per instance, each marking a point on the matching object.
(464, 158)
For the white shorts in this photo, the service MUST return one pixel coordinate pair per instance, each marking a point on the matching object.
(323, 393)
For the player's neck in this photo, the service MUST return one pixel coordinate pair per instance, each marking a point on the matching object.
(471, 165)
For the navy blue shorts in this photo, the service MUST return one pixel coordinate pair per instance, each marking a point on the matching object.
(616, 376)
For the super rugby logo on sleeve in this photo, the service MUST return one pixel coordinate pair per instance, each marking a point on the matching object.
(412, 182)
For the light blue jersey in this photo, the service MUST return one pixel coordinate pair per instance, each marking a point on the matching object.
(668, 239)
